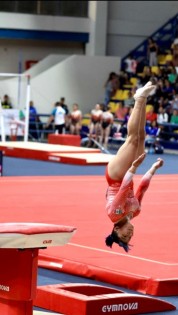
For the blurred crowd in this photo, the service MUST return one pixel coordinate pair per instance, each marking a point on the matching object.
(106, 120)
(162, 106)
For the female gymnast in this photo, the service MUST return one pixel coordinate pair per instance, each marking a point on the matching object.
(107, 119)
(95, 124)
(122, 204)
(75, 120)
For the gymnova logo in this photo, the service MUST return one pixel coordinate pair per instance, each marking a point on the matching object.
(53, 158)
(4, 288)
(119, 307)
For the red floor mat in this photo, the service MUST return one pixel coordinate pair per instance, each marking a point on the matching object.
(152, 264)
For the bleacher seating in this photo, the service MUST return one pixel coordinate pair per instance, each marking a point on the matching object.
(134, 81)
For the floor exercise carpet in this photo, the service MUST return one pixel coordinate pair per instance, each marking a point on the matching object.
(152, 264)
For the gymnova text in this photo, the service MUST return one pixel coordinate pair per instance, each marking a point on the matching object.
(119, 307)
(4, 288)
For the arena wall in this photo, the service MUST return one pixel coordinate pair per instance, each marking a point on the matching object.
(130, 22)
(80, 79)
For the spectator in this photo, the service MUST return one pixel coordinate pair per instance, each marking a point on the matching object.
(159, 93)
(130, 66)
(152, 132)
(174, 102)
(174, 117)
(65, 107)
(174, 49)
(169, 111)
(120, 112)
(151, 115)
(146, 75)
(111, 86)
(75, 120)
(58, 116)
(152, 129)
(95, 123)
(152, 52)
(123, 129)
(172, 76)
(130, 100)
(32, 112)
(33, 127)
(6, 104)
(106, 123)
(168, 89)
(123, 79)
(162, 116)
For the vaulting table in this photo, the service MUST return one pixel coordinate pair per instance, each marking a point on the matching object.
(19, 246)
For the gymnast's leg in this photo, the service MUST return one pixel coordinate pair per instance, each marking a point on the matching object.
(135, 143)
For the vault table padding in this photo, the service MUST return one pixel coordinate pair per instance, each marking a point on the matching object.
(34, 235)
(19, 246)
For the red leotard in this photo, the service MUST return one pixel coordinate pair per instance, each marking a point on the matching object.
(120, 196)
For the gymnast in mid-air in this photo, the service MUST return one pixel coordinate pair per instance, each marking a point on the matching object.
(122, 204)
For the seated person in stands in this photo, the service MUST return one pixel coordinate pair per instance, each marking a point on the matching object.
(174, 117)
(75, 120)
(95, 123)
(152, 129)
(153, 133)
(162, 116)
(168, 89)
(120, 111)
(130, 100)
(172, 76)
(6, 104)
(123, 129)
(151, 115)
(174, 101)
(146, 75)
(111, 87)
(174, 50)
(106, 124)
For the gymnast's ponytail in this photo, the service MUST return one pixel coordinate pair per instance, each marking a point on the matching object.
(113, 238)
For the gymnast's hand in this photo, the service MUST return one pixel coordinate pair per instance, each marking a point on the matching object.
(136, 163)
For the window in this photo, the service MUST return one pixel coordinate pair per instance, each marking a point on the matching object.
(29, 7)
(64, 8)
(7, 6)
(58, 8)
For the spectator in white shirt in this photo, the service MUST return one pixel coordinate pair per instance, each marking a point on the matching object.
(162, 116)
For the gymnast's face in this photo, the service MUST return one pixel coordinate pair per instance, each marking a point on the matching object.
(125, 232)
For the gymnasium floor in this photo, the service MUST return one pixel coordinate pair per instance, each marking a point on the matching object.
(21, 167)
